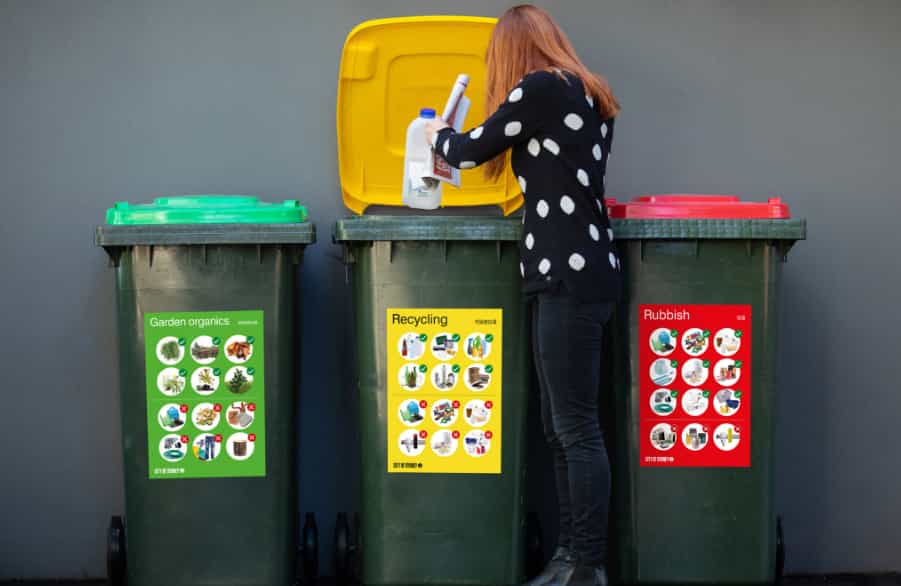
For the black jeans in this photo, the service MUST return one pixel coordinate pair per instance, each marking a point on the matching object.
(566, 342)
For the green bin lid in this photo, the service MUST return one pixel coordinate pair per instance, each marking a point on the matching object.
(206, 209)
(398, 228)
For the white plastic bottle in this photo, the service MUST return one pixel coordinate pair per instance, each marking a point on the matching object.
(418, 193)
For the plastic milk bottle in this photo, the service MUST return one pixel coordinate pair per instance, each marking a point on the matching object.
(420, 192)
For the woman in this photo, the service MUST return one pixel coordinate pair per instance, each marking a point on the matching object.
(557, 120)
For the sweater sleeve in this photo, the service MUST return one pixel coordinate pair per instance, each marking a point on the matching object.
(515, 121)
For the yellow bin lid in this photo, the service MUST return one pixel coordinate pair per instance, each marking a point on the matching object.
(390, 68)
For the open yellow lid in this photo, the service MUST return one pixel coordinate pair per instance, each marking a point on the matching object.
(390, 68)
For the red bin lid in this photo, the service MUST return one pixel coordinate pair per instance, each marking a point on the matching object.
(700, 207)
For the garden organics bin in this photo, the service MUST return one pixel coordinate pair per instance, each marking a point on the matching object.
(442, 347)
(695, 392)
(206, 293)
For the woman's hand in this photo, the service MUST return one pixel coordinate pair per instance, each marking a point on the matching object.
(432, 128)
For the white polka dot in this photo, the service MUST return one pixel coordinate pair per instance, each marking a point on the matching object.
(593, 231)
(542, 208)
(551, 146)
(618, 266)
(515, 95)
(597, 152)
(576, 261)
(530, 241)
(612, 259)
(573, 121)
(544, 266)
(467, 164)
(590, 101)
(522, 269)
(522, 183)
(610, 234)
(567, 205)
(604, 130)
(476, 133)
(513, 128)
(534, 147)
(600, 206)
(446, 146)
(523, 216)
(582, 176)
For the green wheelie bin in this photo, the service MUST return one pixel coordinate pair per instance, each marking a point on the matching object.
(206, 293)
(694, 401)
(442, 360)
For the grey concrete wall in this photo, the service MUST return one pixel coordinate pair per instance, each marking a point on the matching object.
(105, 101)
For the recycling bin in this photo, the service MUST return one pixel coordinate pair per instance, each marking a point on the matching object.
(694, 401)
(206, 292)
(442, 359)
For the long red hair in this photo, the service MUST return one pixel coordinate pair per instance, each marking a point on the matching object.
(527, 39)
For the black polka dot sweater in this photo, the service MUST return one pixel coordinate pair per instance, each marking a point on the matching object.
(560, 146)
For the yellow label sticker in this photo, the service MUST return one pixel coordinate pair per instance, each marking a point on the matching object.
(444, 390)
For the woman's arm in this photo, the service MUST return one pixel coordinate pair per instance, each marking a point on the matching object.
(514, 122)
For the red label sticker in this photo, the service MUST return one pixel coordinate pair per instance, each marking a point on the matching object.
(217, 407)
(456, 404)
(423, 434)
(218, 438)
(695, 385)
(488, 435)
(423, 404)
(489, 404)
(183, 408)
(251, 407)
(456, 434)
(252, 437)
(185, 439)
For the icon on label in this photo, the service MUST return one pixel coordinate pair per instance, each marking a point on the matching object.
(206, 448)
(203, 350)
(239, 349)
(694, 372)
(477, 413)
(411, 377)
(172, 416)
(410, 346)
(240, 414)
(663, 401)
(445, 346)
(694, 402)
(169, 351)
(477, 377)
(662, 342)
(444, 378)
(662, 372)
(444, 413)
(411, 412)
(411, 443)
(695, 437)
(663, 437)
(173, 448)
(695, 341)
(444, 443)
(239, 446)
(726, 437)
(478, 347)
(204, 381)
(727, 372)
(238, 380)
(727, 402)
(727, 342)
(476, 443)
(170, 382)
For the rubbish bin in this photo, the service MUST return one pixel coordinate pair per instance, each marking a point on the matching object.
(694, 406)
(442, 350)
(206, 295)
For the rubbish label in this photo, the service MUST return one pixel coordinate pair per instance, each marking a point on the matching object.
(444, 390)
(205, 394)
(695, 385)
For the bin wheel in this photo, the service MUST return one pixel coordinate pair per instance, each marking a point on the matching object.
(534, 546)
(780, 551)
(115, 552)
(308, 550)
(342, 549)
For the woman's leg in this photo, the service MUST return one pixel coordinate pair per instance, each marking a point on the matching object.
(569, 336)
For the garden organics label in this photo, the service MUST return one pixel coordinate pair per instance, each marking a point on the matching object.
(695, 389)
(444, 390)
(205, 399)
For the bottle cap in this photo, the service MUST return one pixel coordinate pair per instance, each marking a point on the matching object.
(427, 113)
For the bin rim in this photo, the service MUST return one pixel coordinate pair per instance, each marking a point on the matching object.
(111, 236)
(716, 229)
(206, 209)
(427, 228)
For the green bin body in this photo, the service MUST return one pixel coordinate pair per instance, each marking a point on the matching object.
(209, 255)
(708, 516)
(437, 528)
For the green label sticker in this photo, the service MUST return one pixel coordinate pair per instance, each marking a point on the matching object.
(489, 338)
(706, 364)
(738, 333)
(738, 364)
(489, 369)
(706, 333)
(674, 394)
(456, 337)
(705, 394)
(737, 394)
(674, 333)
(674, 363)
(455, 368)
(423, 337)
(206, 416)
(423, 368)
